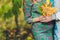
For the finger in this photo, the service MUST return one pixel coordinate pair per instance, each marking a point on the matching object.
(44, 21)
(41, 18)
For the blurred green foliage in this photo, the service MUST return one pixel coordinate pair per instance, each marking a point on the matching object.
(11, 17)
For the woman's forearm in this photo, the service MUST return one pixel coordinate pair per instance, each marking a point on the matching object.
(32, 20)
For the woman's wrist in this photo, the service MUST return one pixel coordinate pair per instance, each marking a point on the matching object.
(36, 19)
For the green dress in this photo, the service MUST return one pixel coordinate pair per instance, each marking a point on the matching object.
(41, 31)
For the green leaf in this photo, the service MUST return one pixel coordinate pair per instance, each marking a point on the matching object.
(7, 15)
(17, 3)
(40, 10)
(1, 11)
(6, 8)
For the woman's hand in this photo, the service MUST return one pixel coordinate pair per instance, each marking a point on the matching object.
(46, 19)
(43, 19)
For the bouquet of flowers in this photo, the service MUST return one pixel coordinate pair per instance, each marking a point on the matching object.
(46, 9)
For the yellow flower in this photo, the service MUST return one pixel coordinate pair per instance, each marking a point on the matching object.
(47, 10)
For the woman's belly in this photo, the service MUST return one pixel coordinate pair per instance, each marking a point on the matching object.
(42, 27)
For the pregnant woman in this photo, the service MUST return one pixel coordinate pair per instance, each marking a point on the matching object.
(42, 29)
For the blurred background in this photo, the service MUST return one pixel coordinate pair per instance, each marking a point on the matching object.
(12, 23)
